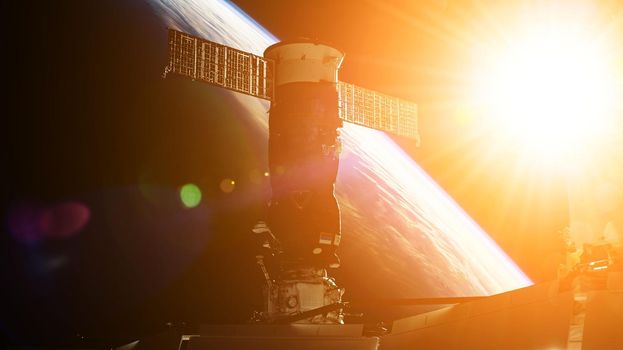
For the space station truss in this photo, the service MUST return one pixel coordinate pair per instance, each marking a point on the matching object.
(236, 70)
(220, 65)
(378, 111)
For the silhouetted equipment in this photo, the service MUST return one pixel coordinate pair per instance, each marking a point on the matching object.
(274, 337)
(543, 316)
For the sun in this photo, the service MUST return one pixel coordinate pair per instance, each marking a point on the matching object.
(550, 91)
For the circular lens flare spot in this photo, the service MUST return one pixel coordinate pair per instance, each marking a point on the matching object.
(227, 185)
(190, 195)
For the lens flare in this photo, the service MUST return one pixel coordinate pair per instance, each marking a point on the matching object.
(33, 223)
(227, 185)
(190, 195)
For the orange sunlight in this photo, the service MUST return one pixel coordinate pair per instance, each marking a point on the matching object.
(551, 91)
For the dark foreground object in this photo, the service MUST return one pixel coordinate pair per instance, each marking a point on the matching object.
(585, 314)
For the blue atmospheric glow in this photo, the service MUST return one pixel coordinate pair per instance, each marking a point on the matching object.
(250, 19)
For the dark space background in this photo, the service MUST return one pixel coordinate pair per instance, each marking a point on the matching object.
(87, 119)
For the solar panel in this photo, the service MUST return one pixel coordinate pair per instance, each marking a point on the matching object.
(240, 71)
(378, 111)
(220, 65)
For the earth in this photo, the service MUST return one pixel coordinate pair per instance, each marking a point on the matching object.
(97, 237)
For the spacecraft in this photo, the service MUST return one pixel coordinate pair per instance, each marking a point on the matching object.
(303, 306)
(308, 106)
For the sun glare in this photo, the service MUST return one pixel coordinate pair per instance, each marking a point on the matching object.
(550, 91)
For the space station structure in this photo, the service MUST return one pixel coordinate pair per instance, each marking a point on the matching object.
(308, 106)
(594, 238)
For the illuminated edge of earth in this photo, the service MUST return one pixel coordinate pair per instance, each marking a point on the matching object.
(405, 170)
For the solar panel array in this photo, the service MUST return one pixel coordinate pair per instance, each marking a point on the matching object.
(220, 65)
(378, 111)
(240, 71)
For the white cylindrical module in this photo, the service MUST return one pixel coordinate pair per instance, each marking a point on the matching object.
(304, 62)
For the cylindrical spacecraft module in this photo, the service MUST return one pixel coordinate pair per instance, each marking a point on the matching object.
(303, 152)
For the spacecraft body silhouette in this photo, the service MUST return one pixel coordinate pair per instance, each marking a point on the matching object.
(308, 106)
(303, 151)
